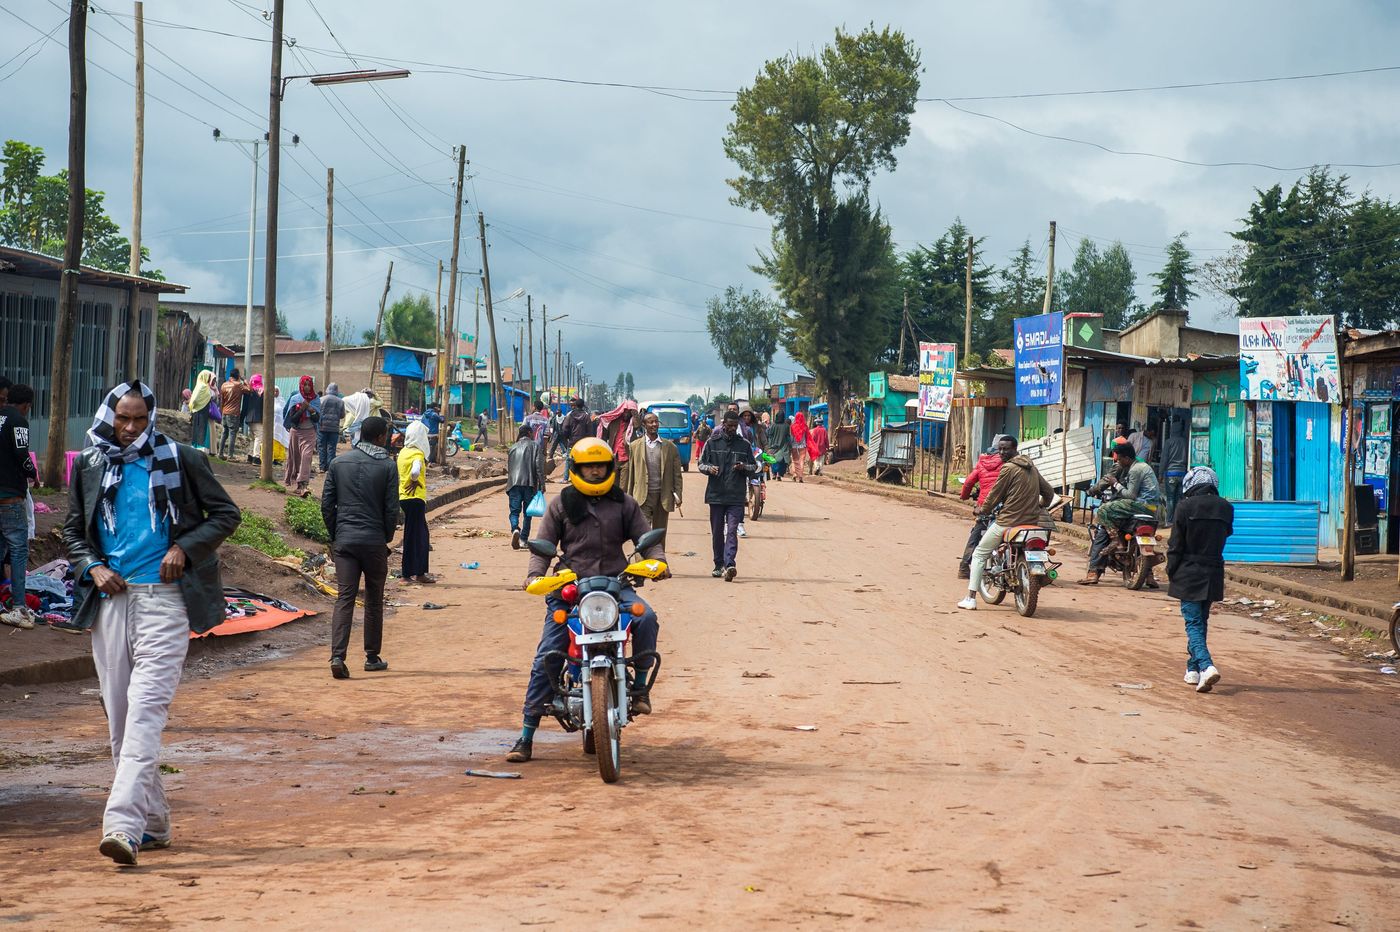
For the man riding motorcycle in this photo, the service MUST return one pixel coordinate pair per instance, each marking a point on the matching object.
(982, 478)
(1023, 495)
(590, 522)
(1136, 485)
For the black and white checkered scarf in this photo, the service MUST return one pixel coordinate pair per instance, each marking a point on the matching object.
(164, 457)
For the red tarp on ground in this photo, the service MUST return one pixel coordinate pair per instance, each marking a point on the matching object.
(269, 617)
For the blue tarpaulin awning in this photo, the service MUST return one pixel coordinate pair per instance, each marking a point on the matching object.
(402, 362)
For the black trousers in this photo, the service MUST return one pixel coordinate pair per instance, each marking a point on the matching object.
(352, 561)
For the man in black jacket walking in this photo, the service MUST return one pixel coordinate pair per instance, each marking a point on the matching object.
(729, 462)
(145, 519)
(360, 502)
(1195, 565)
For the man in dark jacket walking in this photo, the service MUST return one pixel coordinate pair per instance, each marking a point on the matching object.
(145, 519)
(729, 462)
(328, 426)
(360, 503)
(1196, 566)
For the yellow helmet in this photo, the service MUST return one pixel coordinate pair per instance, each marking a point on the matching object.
(589, 451)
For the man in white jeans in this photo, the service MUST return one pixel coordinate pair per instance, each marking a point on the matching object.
(145, 519)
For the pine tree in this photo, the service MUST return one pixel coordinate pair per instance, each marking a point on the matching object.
(1173, 289)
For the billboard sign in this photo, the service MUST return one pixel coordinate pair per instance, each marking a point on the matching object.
(1040, 359)
(1289, 359)
(938, 363)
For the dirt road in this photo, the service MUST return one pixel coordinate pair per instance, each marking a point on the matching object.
(973, 771)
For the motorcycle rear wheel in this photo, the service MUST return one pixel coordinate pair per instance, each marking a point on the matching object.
(1135, 573)
(605, 731)
(756, 508)
(992, 594)
(1027, 590)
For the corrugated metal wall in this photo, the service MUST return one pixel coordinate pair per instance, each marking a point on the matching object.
(1274, 532)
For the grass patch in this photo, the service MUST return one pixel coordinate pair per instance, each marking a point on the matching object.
(304, 517)
(269, 485)
(42, 490)
(259, 533)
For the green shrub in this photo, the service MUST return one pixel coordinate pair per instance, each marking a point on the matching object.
(304, 516)
(259, 533)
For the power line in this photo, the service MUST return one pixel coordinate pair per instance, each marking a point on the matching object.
(37, 45)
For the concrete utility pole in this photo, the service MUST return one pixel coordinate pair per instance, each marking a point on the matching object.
(54, 460)
(378, 325)
(451, 335)
(330, 277)
(967, 351)
(1049, 271)
(274, 170)
(133, 320)
(491, 324)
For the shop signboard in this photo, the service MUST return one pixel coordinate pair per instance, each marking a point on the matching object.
(1289, 359)
(938, 362)
(1040, 359)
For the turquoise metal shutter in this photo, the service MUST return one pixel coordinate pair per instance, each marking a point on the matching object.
(1274, 532)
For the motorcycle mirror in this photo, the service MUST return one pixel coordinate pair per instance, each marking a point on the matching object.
(543, 548)
(651, 538)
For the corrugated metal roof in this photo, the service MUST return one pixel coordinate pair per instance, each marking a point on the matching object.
(38, 265)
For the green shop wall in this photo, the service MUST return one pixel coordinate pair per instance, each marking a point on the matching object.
(1220, 390)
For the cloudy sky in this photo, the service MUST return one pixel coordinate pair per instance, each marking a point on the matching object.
(608, 203)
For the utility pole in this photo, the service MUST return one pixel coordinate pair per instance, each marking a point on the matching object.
(133, 320)
(439, 318)
(330, 277)
(274, 172)
(1049, 271)
(559, 358)
(544, 345)
(378, 325)
(967, 351)
(451, 335)
(54, 459)
(491, 324)
(903, 326)
(476, 342)
(530, 340)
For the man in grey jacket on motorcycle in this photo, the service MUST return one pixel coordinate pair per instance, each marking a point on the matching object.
(1023, 495)
(590, 521)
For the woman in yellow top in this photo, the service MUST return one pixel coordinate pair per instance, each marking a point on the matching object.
(200, 398)
(413, 499)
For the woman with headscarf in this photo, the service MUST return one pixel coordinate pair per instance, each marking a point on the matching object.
(199, 407)
(1196, 566)
(301, 416)
(358, 406)
(799, 445)
(413, 499)
(252, 416)
(779, 445)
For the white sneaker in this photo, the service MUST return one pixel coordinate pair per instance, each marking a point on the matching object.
(1192, 677)
(20, 617)
(742, 532)
(968, 603)
(1209, 677)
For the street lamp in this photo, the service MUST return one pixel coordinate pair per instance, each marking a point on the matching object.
(252, 245)
(277, 87)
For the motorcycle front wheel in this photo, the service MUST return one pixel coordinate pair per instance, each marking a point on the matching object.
(606, 737)
(992, 594)
(1027, 590)
(452, 448)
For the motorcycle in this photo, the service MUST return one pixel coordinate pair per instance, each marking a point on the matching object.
(1021, 565)
(1138, 550)
(455, 440)
(597, 676)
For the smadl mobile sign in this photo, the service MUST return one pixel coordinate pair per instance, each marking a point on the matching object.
(938, 362)
(1289, 359)
(1040, 360)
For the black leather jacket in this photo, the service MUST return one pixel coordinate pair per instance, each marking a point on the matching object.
(728, 486)
(360, 500)
(207, 517)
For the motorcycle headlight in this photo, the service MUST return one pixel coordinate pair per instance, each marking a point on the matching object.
(598, 611)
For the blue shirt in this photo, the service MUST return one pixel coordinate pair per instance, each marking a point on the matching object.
(432, 420)
(134, 552)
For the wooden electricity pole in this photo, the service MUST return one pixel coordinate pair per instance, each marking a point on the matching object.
(54, 459)
(476, 342)
(530, 341)
(491, 325)
(1049, 271)
(133, 320)
(330, 277)
(967, 352)
(544, 345)
(451, 334)
(274, 181)
(903, 327)
(378, 325)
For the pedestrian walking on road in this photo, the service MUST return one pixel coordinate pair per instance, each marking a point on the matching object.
(360, 504)
(524, 480)
(818, 442)
(16, 474)
(1023, 495)
(200, 400)
(413, 500)
(145, 520)
(575, 426)
(328, 424)
(1196, 566)
(252, 416)
(729, 462)
(300, 417)
(231, 407)
(481, 436)
(799, 445)
(655, 477)
(779, 445)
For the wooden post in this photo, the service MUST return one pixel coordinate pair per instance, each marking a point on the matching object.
(274, 180)
(530, 341)
(491, 324)
(133, 321)
(54, 459)
(476, 342)
(967, 353)
(903, 328)
(450, 338)
(544, 346)
(438, 339)
(330, 277)
(378, 325)
(1050, 271)
(1349, 475)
